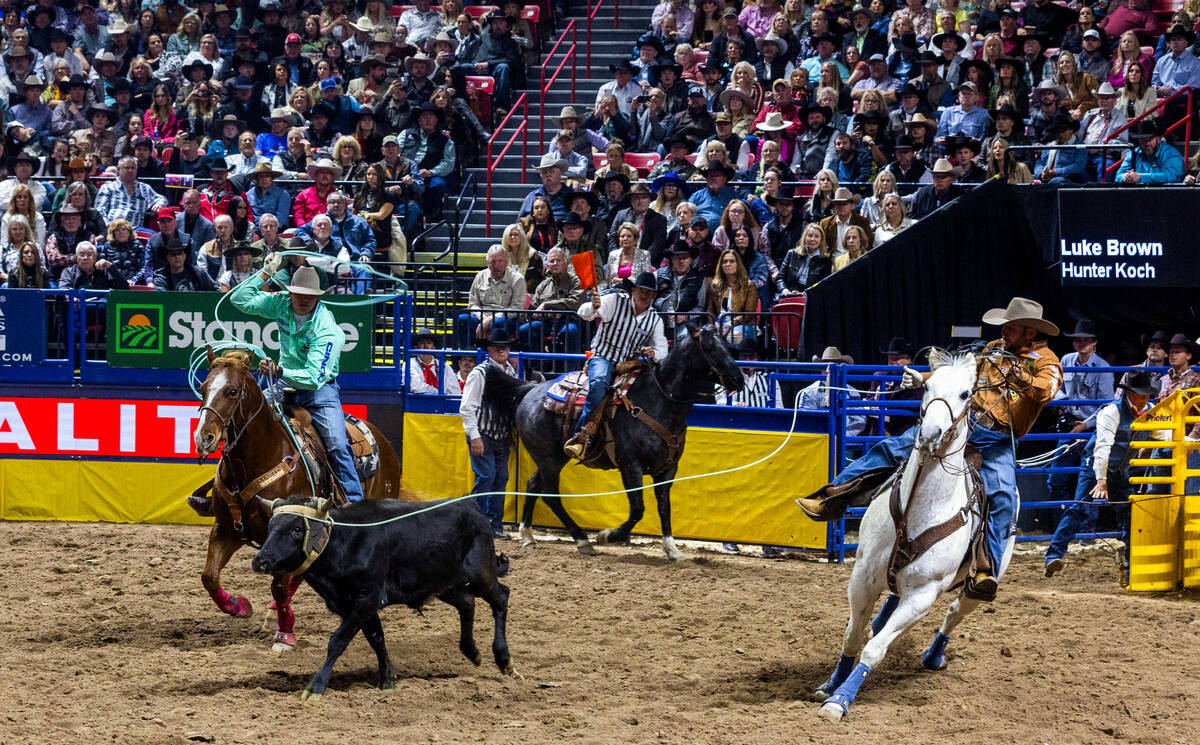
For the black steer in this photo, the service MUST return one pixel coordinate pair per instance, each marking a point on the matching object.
(447, 553)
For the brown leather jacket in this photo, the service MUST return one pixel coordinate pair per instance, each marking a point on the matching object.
(1021, 389)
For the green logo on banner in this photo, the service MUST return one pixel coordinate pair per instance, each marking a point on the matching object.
(141, 330)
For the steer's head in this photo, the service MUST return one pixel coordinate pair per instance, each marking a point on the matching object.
(297, 534)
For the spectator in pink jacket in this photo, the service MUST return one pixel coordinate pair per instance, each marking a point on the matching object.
(1136, 16)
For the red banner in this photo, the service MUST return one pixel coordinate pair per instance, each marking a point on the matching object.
(103, 427)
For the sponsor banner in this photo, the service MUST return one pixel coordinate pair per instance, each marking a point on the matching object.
(22, 327)
(103, 427)
(1124, 238)
(162, 329)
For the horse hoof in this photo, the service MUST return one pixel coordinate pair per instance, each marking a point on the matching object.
(824, 692)
(271, 622)
(245, 610)
(832, 712)
(509, 670)
(526, 534)
(584, 547)
(311, 699)
(673, 553)
(938, 663)
(285, 641)
(602, 536)
(387, 685)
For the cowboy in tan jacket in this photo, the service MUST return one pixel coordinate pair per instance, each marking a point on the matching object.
(1017, 376)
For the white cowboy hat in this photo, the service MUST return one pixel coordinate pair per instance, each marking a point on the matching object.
(364, 24)
(305, 282)
(324, 164)
(551, 160)
(1106, 89)
(1021, 311)
(773, 123)
(775, 39)
(833, 354)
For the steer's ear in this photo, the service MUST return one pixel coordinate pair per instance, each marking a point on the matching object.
(211, 356)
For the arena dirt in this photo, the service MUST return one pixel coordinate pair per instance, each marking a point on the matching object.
(108, 637)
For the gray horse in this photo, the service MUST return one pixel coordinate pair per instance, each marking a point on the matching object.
(699, 361)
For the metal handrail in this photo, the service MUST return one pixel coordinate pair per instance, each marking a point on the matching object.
(590, 17)
(460, 219)
(572, 54)
(522, 128)
(1106, 169)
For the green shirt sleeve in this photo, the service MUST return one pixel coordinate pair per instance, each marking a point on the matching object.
(248, 298)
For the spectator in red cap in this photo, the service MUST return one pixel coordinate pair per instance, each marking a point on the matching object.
(300, 68)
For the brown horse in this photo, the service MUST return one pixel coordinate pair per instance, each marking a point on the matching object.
(260, 459)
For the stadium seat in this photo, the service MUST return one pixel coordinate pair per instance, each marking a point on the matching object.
(486, 84)
(643, 162)
(531, 13)
(805, 189)
(786, 328)
(398, 10)
(479, 11)
(691, 158)
(701, 56)
(599, 160)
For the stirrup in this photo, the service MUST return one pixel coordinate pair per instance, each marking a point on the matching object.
(576, 446)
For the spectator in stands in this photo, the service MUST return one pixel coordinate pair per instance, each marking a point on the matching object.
(558, 295)
(820, 205)
(941, 192)
(551, 168)
(269, 240)
(433, 152)
(852, 164)
(575, 239)
(220, 190)
(669, 189)
(23, 167)
(1137, 95)
(1176, 70)
(1002, 164)
(607, 123)
(273, 142)
(349, 230)
(893, 220)
(495, 289)
(241, 259)
(963, 151)
(26, 269)
(312, 201)
(680, 291)
(22, 203)
(965, 118)
(853, 246)
(427, 376)
(879, 80)
(815, 146)
(538, 233)
(126, 197)
(652, 226)
(907, 168)
(731, 31)
(737, 214)
(88, 273)
(1078, 385)
(296, 159)
(1099, 123)
(98, 138)
(180, 275)
(500, 57)
(577, 164)
(916, 13)
(1135, 16)
(421, 21)
(614, 189)
(1128, 52)
(125, 252)
(731, 296)
(1152, 161)
(198, 229)
(805, 264)
(622, 86)
(712, 200)
(1048, 18)
(650, 120)
(676, 162)
(16, 233)
(213, 256)
(783, 231)
(1080, 86)
(627, 260)
(266, 198)
(1093, 59)
(836, 225)
(156, 247)
(32, 112)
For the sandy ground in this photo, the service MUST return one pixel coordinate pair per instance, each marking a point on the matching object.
(109, 637)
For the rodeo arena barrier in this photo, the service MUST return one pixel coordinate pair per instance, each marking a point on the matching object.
(94, 388)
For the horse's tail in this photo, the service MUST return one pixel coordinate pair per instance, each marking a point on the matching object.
(502, 393)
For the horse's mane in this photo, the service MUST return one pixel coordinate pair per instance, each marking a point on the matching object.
(236, 359)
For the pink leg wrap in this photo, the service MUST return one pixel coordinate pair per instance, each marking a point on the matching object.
(292, 587)
(287, 619)
(234, 606)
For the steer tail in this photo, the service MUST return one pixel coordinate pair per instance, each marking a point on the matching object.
(501, 564)
(501, 395)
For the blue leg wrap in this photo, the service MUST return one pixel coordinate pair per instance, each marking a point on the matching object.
(934, 656)
(848, 690)
(840, 673)
(885, 612)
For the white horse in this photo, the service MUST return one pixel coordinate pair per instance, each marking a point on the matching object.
(936, 482)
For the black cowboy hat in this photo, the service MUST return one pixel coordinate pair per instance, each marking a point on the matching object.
(1181, 340)
(1018, 65)
(718, 167)
(324, 109)
(824, 37)
(593, 199)
(673, 67)
(1037, 36)
(649, 39)
(421, 336)
(1085, 328)
(186, 70)
(621, 65)
(954, 143)
(1160, 337)
(1141, 383)
(872, 115)
(602, 182)
(748, 344)
(908, 89)
(928, 58)
(497, 336)
(1182, 31)
(786, 194)
(573, 220)
(644, 281)
(907, 42)
(1006, 108)
(1062, 120)
(937, 40)
(1144, 130)
(899, 345)
(984, 68)
(810, 107)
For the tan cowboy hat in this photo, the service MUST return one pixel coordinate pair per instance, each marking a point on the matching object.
(730, 92)
(775, 39)
(944, 166)
(845, 195)
(118, 26)
(418, 57)
(551, 160)
(920, 120)
(305, 282)
(324, 164)
(1022, 311)
(568, 112)
(264, 168)
(773, 123)
(833, 354)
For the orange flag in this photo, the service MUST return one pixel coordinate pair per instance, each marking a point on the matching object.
(585, 269)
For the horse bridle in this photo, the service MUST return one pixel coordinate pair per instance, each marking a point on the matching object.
(712, 367)
(231, 441)
(955, 422)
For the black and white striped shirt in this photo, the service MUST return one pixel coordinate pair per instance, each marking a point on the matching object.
(756, 393)
(622, 332)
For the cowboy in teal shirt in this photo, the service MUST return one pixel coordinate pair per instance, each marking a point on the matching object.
(310, 344)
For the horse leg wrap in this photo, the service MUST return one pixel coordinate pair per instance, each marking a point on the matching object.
(293, 585)
(848, 690)
(844, 666)
(934, 657)
(885, 612)
(234, 606)
(287, 619)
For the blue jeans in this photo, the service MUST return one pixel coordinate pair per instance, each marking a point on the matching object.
(434, 197)
(532, 335)
(600, 374)
(325, 406)
(998, 472)
(466, 323)
(1081, 516)
(1063, 485)
(491, 475)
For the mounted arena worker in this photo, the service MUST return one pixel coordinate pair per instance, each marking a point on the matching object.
(310, 345)
(1016, 376)
(628, 326)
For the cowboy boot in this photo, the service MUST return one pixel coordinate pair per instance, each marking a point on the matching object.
(983, 584)
(201, 501)
(831, 501)
(578, 445)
